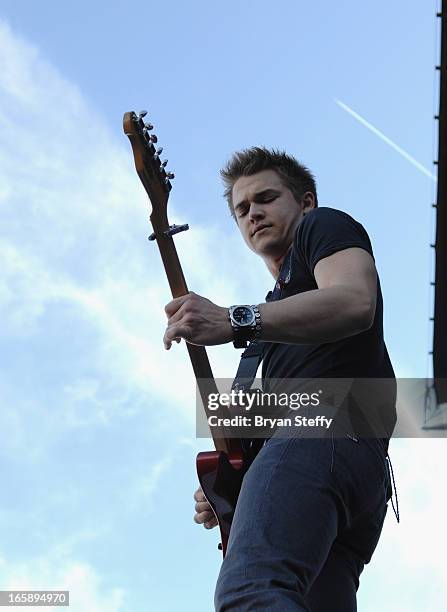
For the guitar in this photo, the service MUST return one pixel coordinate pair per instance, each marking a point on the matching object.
(221, 471)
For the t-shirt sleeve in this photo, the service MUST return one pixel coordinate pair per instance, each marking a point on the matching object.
(325, 231)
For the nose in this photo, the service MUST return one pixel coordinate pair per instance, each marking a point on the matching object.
(256, 212)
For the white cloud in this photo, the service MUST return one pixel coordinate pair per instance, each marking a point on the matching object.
(408, 570)
(144, 491)
(85, 586)
(74, 242)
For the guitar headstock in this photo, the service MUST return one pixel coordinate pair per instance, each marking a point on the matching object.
(150, 168)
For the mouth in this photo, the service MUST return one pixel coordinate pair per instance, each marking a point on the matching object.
(259, 229)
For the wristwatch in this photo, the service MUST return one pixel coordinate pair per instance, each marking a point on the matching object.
(246, 323)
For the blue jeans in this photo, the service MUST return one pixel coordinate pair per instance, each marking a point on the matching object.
(308, 518)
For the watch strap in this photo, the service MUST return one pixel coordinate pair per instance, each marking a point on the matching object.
(243, 334)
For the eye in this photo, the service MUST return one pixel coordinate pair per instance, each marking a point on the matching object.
(242, 213)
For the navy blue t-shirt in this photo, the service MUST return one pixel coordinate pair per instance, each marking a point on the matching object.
(322, 232)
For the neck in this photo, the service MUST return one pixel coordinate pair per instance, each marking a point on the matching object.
(274, 263)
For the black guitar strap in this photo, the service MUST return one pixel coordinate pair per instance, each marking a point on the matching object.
(248, 366)
(253, 354)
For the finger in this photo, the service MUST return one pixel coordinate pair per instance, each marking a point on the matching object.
(199, 495)
(202, 506)
(172, 306)
(203, 517)
(210, 524)
(168, 342)
(175, 332)
(177, 316)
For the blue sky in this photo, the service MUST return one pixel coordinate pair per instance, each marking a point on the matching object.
(98, 450)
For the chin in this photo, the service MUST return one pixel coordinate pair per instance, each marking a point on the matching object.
(267, 247)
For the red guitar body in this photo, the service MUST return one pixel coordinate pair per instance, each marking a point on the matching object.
(220, 476)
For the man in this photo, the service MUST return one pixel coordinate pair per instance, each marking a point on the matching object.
(310, 511)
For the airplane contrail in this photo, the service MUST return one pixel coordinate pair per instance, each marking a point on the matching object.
(382, 136)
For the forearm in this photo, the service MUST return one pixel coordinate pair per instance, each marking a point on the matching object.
(322, 315)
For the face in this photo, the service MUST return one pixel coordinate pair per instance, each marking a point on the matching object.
(267, 213)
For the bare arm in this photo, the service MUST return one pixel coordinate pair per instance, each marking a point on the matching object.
(343, 305)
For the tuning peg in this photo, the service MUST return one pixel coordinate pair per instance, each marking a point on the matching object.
(142, 114)
(170, 175)
(150, 138)
(148, 126)
(164, 163)
(157, 153)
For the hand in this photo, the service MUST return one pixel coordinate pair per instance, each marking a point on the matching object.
(204, 513)
(197, 320)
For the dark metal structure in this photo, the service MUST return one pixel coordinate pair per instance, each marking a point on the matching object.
(440, 311)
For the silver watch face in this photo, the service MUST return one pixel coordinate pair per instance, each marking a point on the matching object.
(243, 316)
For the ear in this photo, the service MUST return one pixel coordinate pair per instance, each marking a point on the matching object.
(308, 202)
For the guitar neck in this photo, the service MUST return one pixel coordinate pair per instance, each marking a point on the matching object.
(156, 181)
(198, 356)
